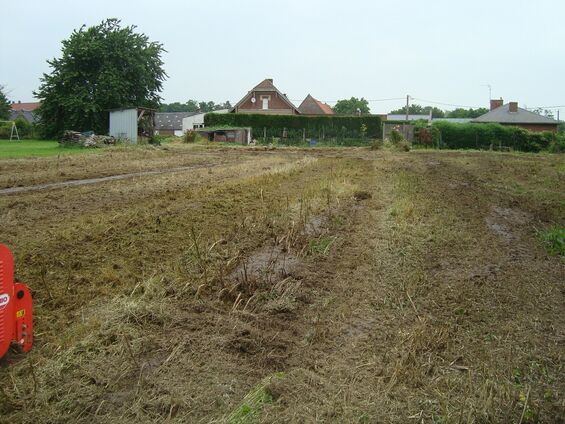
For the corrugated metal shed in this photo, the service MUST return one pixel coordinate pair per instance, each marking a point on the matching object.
(123, 124)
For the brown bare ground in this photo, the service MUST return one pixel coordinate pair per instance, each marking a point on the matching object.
(428, 298)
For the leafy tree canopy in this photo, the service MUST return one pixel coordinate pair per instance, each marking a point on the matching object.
(416, 109)
(4, 105)
(467, 113)
(102, 67)
(353, 106)
(194, 106)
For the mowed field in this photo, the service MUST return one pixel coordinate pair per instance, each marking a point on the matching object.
(248, 285)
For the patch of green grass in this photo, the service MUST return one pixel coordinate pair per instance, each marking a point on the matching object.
(320, 246)
(35, 148)
(250, 409)
(553, 239)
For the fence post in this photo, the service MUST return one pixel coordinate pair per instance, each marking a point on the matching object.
(303, 134)
(264, 134)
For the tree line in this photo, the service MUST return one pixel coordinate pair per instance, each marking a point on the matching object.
(194, 106)
(355, 106)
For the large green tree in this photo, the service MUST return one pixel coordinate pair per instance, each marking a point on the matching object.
(353, 106)
(102, 67)
(4, 105)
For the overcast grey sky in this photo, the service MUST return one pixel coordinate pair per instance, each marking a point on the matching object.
(442, 51)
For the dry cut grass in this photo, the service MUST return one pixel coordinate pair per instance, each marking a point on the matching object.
(284, 286)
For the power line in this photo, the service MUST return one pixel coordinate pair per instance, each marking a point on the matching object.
(444, 104)
(369, 100)
(547, 107)
(432, 102)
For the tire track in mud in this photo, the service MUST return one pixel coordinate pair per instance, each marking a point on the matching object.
(86, 181)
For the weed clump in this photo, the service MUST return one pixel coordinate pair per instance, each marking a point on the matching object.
(553, 239)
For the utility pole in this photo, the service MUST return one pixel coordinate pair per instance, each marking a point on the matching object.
(407, 105)
(558, 114)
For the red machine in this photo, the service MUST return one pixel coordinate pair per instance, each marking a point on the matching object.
(15, 307)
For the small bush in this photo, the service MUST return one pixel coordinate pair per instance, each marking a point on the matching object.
(403, 146)
(24, 128)
(376, 144)
(557, 145)
(5, 129)
(396, 136)
(554, 240)
(189, 137)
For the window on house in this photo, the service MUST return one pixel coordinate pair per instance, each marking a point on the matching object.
(265, 102)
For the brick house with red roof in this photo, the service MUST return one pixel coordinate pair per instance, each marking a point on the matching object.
(312, 106)
(265, 98)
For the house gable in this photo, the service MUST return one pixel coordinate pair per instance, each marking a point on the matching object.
(265, 98)
(312, 106)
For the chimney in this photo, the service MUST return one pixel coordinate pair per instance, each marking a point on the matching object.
(270, 80)
(494, 103)
(513, 107)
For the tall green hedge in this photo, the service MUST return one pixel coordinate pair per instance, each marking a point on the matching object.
(297, 127)
(486, 136)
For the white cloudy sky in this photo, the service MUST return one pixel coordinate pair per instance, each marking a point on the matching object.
(441, 51)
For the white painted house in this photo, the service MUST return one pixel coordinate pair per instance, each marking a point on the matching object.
(197, 120)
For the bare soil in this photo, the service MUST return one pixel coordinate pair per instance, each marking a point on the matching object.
(288, 285)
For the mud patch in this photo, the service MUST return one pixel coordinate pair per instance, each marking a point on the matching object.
(315, 226)
(269, 264)
(501, 222)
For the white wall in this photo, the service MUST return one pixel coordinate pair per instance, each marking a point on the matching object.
(189, 122)
(123, 124)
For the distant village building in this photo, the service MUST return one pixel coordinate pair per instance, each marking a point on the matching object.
(170, 123)
(24, 110)
(196, 121)
(312, 106)
(265, 98)
(511, 114)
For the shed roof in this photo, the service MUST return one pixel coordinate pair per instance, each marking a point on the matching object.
(312, 106)
(502, 115)
(171, 120)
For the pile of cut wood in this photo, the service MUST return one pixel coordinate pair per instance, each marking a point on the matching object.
(75, 138)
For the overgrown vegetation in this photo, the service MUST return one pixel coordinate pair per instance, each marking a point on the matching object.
(287, 129)
(486, 136)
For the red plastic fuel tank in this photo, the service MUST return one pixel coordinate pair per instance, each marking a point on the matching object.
(16, 314)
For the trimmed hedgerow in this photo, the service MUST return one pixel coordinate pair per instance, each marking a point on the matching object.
(297, 127)
(486, 136)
